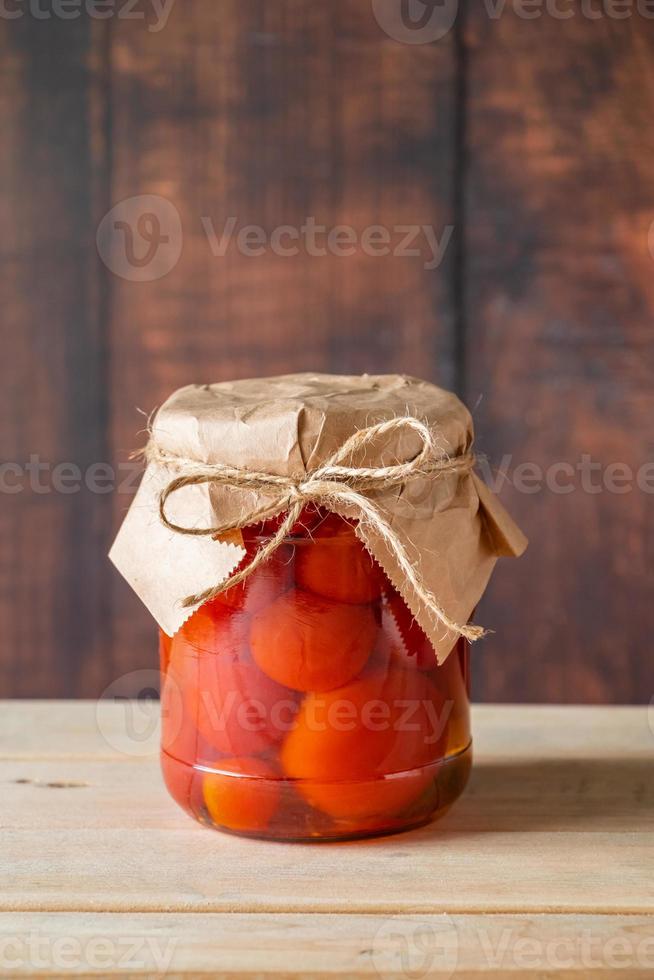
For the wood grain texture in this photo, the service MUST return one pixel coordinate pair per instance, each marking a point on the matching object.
(273, 114)
(101, 731)
(542, 869)
(323, 947)
(560, 350)
(53, 394)
(87, 826)
(522, 133)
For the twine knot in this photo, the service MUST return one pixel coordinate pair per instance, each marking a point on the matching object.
(333, 484)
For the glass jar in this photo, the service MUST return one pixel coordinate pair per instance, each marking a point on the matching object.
(307, 704)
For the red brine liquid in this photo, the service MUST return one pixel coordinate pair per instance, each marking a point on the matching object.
(307, 704)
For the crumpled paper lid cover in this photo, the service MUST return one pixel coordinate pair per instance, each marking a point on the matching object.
(451, 525)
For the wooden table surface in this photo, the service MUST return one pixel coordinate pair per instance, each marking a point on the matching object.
(544, 868)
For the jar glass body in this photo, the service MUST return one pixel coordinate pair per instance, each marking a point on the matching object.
(307, 704)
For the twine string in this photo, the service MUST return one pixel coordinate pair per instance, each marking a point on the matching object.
(334, 484)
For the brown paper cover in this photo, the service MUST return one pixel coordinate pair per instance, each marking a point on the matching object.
(451, 525)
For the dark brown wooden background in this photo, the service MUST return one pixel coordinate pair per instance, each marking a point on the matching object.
(534, 138)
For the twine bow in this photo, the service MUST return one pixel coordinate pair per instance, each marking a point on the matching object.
(331, 484)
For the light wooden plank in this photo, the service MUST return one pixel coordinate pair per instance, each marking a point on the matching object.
(324, 946)
(504, 795)
(182, 868)
(70, 729)
(79, 729)
(558, 817)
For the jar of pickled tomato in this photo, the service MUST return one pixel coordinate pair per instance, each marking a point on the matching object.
(307, 704)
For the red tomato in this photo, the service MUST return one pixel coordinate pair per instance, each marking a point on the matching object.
(312, 644)
(311, 517)
(265, 584)
(343, 741)
(335, 564)
(368, 800)
(228, 702)
(235, 707)
(165, 644)
(240, 710)
(243, 796)
(214, 628)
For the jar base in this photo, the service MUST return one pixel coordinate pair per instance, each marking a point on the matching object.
(296, 811)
